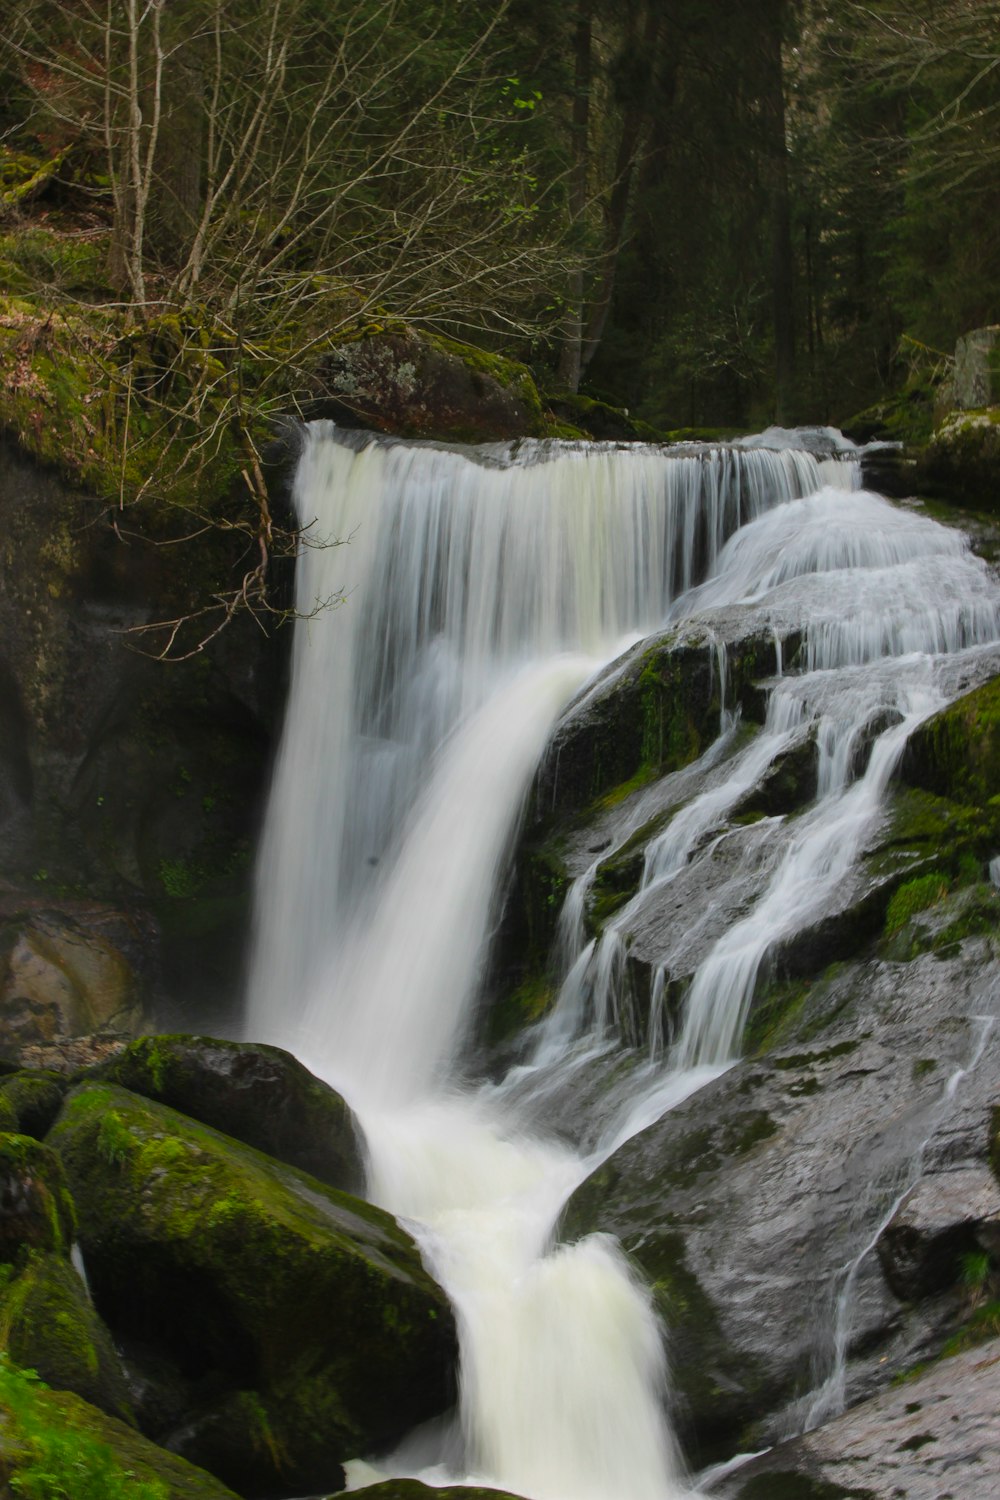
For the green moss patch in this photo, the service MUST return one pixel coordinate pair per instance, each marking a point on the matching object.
(57, 1447)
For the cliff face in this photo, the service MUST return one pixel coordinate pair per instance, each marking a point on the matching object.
(130, 789)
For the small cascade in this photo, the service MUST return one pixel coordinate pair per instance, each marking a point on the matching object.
(482, 591)
(885, 1195)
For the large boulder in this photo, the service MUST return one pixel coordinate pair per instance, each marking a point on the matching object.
(34, 1097)
(976, 378)
(261, 1095)
(422, 385)
(961, 463)
(302, 1318)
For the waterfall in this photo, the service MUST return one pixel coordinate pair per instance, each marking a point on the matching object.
(482, 589)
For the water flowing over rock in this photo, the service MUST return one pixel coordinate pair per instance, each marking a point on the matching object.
(725, 651)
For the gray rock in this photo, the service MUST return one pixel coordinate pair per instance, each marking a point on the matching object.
(945, 1217)
(752, 1206)
(976, 380)
(933, 1438)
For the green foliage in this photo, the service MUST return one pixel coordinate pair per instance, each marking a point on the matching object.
(55, 1459)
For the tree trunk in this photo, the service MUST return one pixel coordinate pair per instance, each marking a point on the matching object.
(572, 331)
(634, 121)
(776, 180)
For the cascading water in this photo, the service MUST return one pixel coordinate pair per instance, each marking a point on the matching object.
(482, 591)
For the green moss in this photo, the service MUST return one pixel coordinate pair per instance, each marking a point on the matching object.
(57, 1447)
(33, 1179)
(922, 1066)
(52, 1458)
(773, 1014)
(47, 1324)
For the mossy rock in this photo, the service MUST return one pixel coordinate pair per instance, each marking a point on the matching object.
(961, 464)
(309, 1310)
(259, 1094)
(53, 1443)
(35, 1097)
(36, 1209)
(48, 1324)
(656, 711)
(414, 384)
(956, 753)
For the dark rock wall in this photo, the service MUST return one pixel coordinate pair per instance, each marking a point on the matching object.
(130, 789)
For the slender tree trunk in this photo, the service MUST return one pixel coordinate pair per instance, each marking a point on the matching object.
(634, 122)
(782, 259)
(572, 331)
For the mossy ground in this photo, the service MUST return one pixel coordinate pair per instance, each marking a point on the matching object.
(57, 1447)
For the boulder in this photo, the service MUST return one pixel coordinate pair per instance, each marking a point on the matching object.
(48, 1324)
(422, 385)
(36, 1209)
(54, 1443)
(261, 1095)
(62, 977)
(961, 463)
(956, 753)
(930, 1437)
(34, 1097)
(302, 1318)
(976, 378)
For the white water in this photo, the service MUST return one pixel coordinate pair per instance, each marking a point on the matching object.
(482, 591)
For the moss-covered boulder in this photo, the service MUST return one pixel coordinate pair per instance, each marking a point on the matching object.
(302, 1316)
(53, 1443)
(421, 385)
(956, 754)
(34, 1096)
(36, 1209)
(48, 1324)
(961, 464)
(261, 1095)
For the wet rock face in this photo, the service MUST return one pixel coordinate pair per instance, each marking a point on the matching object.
(929, 1438)
(947, 1217)
(299, 1321)
(126, 785)
(259, 1094)
(745, 1205)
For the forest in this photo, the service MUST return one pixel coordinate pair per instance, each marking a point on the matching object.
(710, 213)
